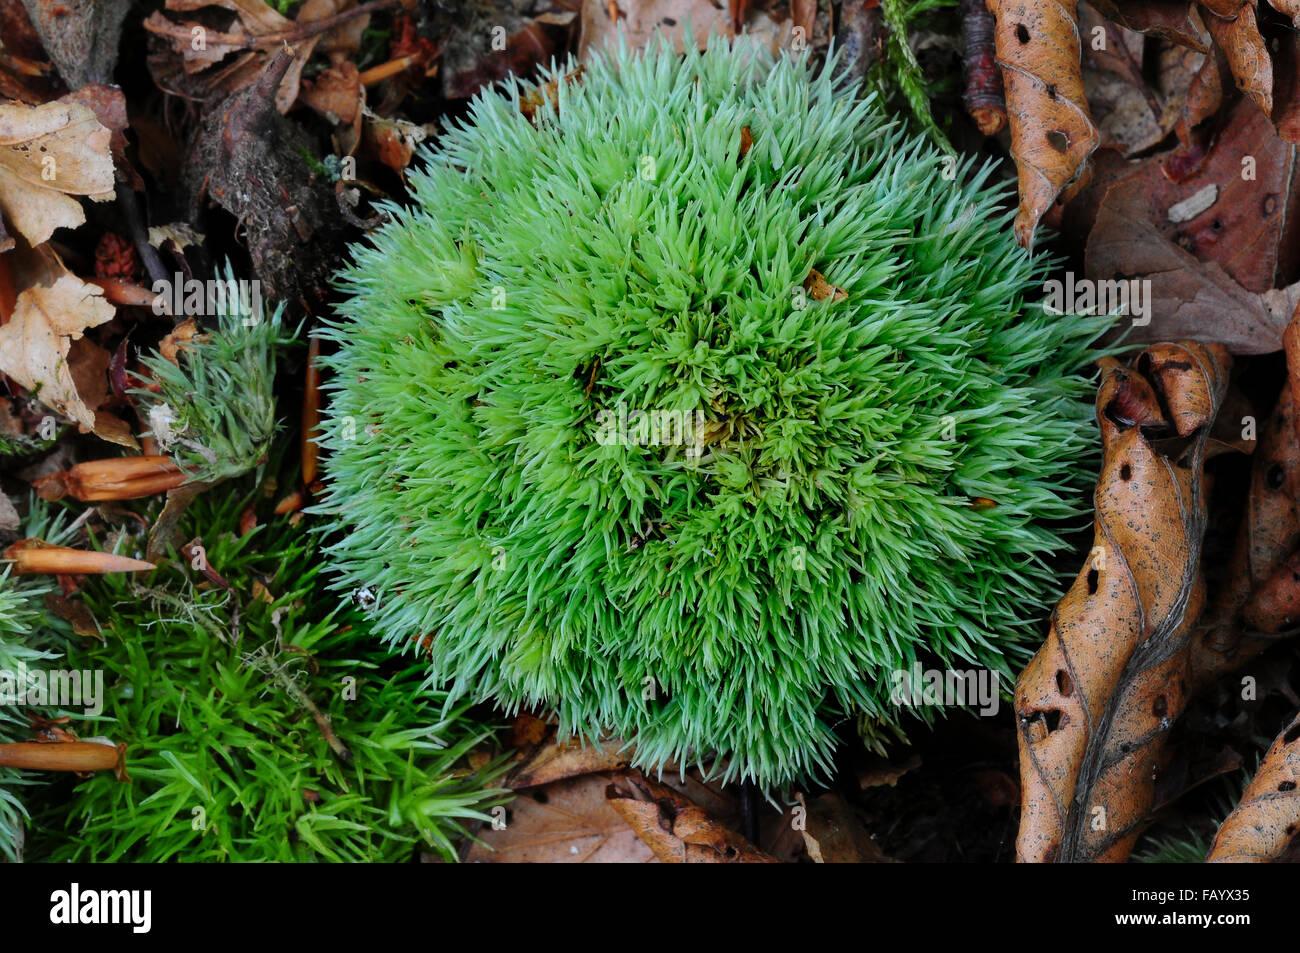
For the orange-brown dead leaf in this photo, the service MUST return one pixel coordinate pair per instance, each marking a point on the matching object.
(819, 289)
(1267, 818)
(179, 338)
(547, 94)
(1052, 132)
(1096, 702)
(568, 759)
(569, 821)
(676, 829)
(1246, 53)
(234, 58)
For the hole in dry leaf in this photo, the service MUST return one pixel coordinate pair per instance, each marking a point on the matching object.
(1052, 719)
(1160, 707)
(1058, 140)
(1286, 786)
(1292, 734)
(1022, 33)
(1126, 473)
(1063, 683)
(1051, 90)
(1093, 576)
(1275, 476)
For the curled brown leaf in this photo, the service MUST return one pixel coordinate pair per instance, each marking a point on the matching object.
(1052, 132)
(1267, 818)
(1096, 702)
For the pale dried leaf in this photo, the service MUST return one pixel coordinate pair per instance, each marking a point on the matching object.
(49, 155)
(35, 344)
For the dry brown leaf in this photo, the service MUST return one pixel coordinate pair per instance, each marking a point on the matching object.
(50, 155)
(570, 821)
(602, 22)
(1203, 99)
(1267, 818)
(1190, 297)
(1247, 55)
(1126, 110)
(1274, 606)
(1288, 8)
(35, 344)
(1175, 20)
(256, 33)
(1096, 702)
(336, 94)
(676, 829)
(393, 141)
(546, 94)
(1250, 226)
(1052, 132)
(819, 289)
(74, 612)
(568, 759)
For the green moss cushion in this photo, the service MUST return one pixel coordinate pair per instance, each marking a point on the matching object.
(602, 445)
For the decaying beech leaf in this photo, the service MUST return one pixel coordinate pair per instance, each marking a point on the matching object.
(1096, 702)
(602, 22)
(676, 829)
(1121, 99)
(1290, 8)
(1247, 54)
(35, 344)
(1266, 820)
(819, 289)
(49, 155)
(569, 821)
(558, 760)
(1175, 20)
(231, 59)
(1192, 297)
(1052, 132)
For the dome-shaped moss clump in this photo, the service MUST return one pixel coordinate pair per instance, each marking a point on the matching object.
(678, 402)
